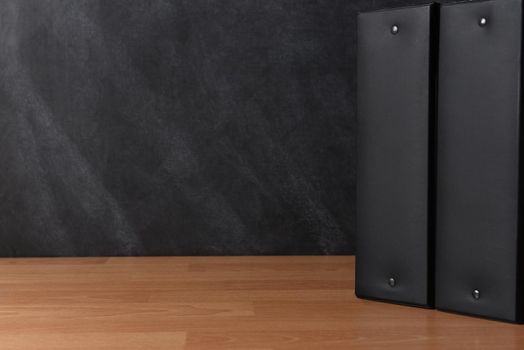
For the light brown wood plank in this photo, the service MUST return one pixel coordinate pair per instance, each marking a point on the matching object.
(88, 341)
(256, 303)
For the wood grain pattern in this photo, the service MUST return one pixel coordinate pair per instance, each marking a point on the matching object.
(259, 303)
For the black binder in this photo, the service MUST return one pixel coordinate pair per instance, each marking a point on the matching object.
(478, 246)
(396, 61)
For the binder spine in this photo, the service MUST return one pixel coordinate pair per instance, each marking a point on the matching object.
(396, 115)
(478, 241)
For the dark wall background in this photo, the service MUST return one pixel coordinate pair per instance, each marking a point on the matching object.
(174, 127)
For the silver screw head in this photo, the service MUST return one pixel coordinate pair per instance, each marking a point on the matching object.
(392, 282)
(394, 29)
(483, 21)
(476, 294)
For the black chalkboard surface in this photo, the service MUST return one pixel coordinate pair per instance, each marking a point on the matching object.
(176, 127)
(155, 127)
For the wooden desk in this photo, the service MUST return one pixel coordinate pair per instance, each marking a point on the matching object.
(257, 303)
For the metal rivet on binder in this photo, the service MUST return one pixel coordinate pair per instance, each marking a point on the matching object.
(394, 29)
(483, 21)
(476, 294)
(392, 282)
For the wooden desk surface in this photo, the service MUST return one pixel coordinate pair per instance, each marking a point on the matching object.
(257, 303)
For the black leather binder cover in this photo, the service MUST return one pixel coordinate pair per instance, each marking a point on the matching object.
(478, 159)
(394, 158)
